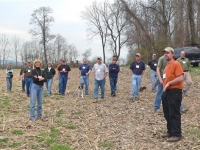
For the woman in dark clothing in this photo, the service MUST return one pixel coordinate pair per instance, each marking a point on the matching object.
(37, 90)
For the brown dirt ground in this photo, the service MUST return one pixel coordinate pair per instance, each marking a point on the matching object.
(122, 124)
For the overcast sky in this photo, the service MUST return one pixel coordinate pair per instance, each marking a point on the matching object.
(15, 17)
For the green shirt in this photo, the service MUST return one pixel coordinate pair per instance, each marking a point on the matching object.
(162, 64)
(27, 72)
(185, 63)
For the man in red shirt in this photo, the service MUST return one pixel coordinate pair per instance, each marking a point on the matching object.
(172, 96)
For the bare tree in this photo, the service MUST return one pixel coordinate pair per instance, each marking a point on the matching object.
(95, 23)
(87, 53)
(4, 47)
(42, 20)
(73, 52)
(16, 45)
(60, 45)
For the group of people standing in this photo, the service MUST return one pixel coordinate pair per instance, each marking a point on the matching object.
(166, 74)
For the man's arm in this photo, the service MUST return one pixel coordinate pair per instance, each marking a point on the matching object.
(159, 76)
(175, 81)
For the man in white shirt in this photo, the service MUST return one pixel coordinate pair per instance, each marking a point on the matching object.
(100, 72)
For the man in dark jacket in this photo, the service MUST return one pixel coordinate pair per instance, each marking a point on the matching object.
(50, 72)
(113, 75)
(21, 77)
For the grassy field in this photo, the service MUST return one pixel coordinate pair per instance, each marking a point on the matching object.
(72, 123)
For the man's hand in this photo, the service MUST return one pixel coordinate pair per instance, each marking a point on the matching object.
(166, 86)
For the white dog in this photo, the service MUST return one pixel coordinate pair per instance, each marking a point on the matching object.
(80, 91)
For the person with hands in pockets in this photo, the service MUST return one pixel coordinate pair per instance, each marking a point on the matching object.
(100, 72)
(137, 69)
(37, 90)
(64, 75)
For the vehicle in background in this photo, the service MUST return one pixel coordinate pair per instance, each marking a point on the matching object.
(192, 53)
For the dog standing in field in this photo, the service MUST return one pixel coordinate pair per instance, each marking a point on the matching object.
(143, 88)
(80, 91)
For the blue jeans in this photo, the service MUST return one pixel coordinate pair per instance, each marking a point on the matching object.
(36, 93)
(85, 81)
(48, 85)
(97, 84)
(9, 83)
(23, 84)
(62, 83)
(28, 82)
(159, 97)
(113, 83)
(136, 81)
(154, 79)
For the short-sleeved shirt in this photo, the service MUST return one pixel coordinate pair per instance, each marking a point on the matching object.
(172, 71)
(64, 67)
(162, 64)
(185, 63)
(84, 68)
(8, 71)
(99, 71)
(137, 67)
(153, 64)
(27, 71)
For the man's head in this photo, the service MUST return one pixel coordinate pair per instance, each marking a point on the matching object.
(114, 59)
(182, 54)
(84, 60)
(168, 53)
(28, 63)
(154, 56)
(99, 60)
(49, 64)
(63, 62)
(138, 56)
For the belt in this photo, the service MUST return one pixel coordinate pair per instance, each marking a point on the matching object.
(185, 70)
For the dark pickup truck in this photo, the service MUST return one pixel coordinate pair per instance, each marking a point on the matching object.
(192, 53)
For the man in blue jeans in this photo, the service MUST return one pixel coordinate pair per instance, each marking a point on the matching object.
(100, 72)
(64, 71)
(28, 78)
(137, 69)
(21, 77)
(113, 75)
(154, 77)
(84, 71)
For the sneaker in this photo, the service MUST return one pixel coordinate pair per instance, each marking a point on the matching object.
(130, 98)
(166, 135)
(95, 101)
(174, 139)
(184, 110)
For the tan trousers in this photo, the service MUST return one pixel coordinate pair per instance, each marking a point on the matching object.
(187, 81)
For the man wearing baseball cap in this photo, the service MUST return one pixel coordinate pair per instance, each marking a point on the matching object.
(100, 72)
(137, 69)
(84, 71)
(172, 96)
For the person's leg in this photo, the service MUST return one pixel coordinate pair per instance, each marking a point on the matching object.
(152, 80)
(102, 86)
(138, 83)
(60, 84)
(39, 99)
(187, 82)
(82, 81)
(23, 85)
(7, 84)
(30, 86)
(10, 84)
(49, 85)
(27, 86)
(64, 83)
(96, 88)
(166, 111)
(158, 97)
(86, 84)
(174, 101)
(115, 84)
(32, 101)
(133, 89)
(112, 88)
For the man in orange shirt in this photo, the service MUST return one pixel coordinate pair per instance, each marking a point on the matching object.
(172, 96)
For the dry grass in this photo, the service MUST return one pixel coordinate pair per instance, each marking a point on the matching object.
(74, 123)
